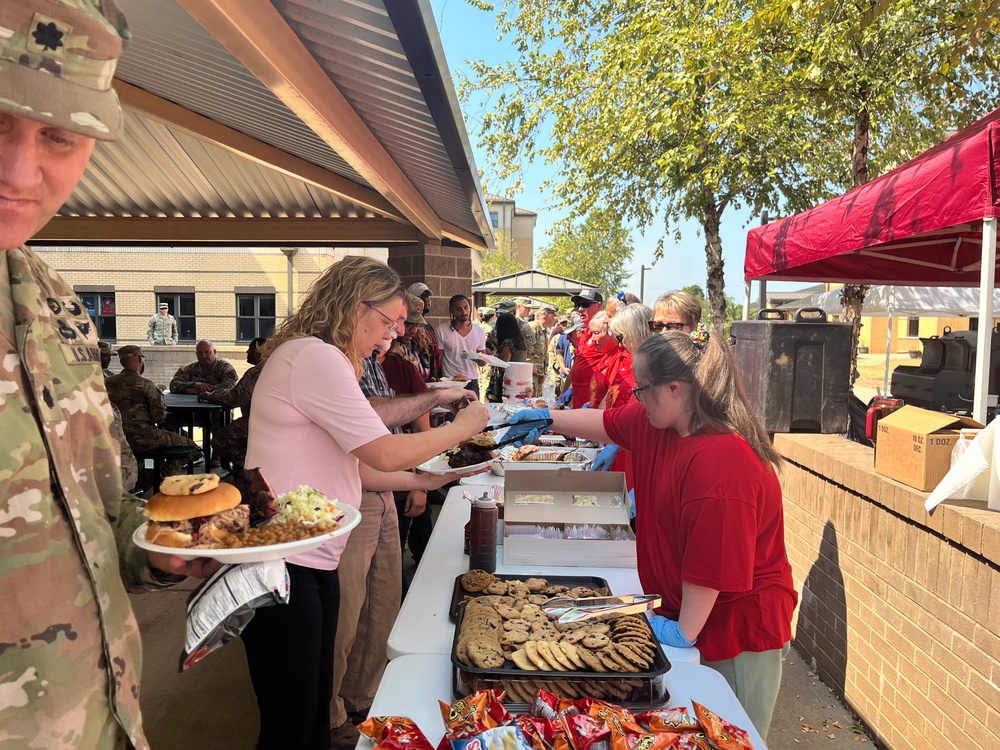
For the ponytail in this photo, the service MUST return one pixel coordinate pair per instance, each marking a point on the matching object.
(718, 399)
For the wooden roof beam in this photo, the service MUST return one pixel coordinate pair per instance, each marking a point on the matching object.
(259, 37)
(86, 230)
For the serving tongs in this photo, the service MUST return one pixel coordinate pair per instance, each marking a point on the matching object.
(567, 609)
(540, 424)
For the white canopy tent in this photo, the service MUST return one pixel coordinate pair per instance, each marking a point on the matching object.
(912, 301)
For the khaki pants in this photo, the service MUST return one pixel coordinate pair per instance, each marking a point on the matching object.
(370, 590)
(755, 678)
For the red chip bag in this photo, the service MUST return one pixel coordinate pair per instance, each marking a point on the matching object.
(585, 731)
(669, 720)
(538, 732)
(617, 718)
(723, 735)
(661, 741)
(394, 733)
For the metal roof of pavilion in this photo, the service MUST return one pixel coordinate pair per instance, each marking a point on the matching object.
(312, 121)
(530, 283)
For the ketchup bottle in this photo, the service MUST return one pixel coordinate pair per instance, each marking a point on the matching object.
(483, 535)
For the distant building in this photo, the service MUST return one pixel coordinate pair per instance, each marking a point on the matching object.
(515, 224)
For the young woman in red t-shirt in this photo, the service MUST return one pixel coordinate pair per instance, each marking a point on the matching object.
(710, 523)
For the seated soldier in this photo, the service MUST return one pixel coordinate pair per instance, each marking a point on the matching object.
(142, 408)
(207, 374)
(230, 442)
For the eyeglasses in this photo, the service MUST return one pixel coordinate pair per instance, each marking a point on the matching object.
(657, 327)
(393, 325)
(637, 391)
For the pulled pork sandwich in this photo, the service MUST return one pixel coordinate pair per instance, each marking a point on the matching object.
(203, 520)
(475, 450)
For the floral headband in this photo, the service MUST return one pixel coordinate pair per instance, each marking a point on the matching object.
(700, 334)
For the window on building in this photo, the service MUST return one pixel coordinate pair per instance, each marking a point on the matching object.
(494, 219)
(913, 327)
(101, 309)
(974, 324)
(254, 316)
(181, 306)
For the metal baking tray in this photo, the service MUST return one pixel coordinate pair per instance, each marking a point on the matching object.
(458, 593)
(633, 689)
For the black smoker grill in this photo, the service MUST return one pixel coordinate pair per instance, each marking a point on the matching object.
(944, 379)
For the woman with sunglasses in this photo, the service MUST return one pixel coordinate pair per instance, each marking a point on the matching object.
(312, 425)
(710, 524)
(675, 311)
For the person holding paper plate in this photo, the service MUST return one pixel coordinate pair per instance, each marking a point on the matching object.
(710, 523)
(312, 425)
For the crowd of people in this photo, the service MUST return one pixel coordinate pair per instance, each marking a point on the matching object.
(340, 402)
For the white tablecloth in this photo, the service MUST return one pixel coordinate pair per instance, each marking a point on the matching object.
(413, 684)
(423, 625)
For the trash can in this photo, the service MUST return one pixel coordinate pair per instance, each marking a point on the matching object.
(796, 372)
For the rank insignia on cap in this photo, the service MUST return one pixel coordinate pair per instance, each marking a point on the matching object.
(48, 35)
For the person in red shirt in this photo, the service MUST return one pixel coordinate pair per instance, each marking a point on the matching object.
(710, 523)
(588, 303)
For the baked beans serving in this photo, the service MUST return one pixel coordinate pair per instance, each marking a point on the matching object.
(277, 533)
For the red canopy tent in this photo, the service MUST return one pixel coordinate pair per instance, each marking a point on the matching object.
(930, 221)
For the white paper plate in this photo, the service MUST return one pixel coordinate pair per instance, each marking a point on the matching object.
(253, 554)
(447, 383)
(440, 466)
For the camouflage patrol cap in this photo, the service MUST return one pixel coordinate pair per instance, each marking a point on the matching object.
(131, 350)
(57, 60)
(105, 347)
(549, 308)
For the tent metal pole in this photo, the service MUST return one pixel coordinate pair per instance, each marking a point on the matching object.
(763, 295)
(746, 298)
(888, 353)
(984, 338)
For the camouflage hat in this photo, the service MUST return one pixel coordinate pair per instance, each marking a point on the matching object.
(57, 60)
(528, 302)
(105, 347)
(548, 307)
(485, 310)
(163, 306)
(131, 350)
(565, 322)
(506, 306)
(414, 308)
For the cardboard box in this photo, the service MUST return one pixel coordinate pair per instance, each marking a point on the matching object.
(611, 512)
(914, 445)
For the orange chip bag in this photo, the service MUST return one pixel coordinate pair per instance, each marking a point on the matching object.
(474, 714)
(723, 735)
(394, 733)
(669, 720)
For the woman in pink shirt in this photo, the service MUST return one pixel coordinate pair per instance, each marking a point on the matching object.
(312, 425)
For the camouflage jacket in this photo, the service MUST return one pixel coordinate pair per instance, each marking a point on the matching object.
(137, 398)
(240, 394)
(220, 374)
(539, 350)
(69, 644)
(162, 331)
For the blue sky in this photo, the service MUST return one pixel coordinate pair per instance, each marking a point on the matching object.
(470, 34)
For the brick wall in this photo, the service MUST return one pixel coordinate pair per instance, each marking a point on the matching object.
(899, 610)
(446, 270)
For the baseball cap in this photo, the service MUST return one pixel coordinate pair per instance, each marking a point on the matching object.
(57, 61)
(164, 306)
(565, 323)
(418, 288)
(528, 302)
(130, 350)
(587, 296)
(105, 347)
(413, 307)
(575, 326)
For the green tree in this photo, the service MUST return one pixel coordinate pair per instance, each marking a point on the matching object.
(502, 261)
(680, 110)
(595, 251)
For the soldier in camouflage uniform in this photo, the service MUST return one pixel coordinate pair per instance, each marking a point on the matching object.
(69, 645)
(106, 353)
(539, 351)
(230, 442)
(207, 374)
(142, 408)
(162, 329)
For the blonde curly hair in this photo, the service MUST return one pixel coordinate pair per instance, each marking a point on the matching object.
(329, 310)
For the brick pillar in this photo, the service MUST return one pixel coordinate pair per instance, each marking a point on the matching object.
(445, 269)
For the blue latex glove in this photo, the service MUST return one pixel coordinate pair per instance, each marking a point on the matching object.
(631, 505)
(669, 632)
(604, 459)
(586, 405)
(526, 433)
